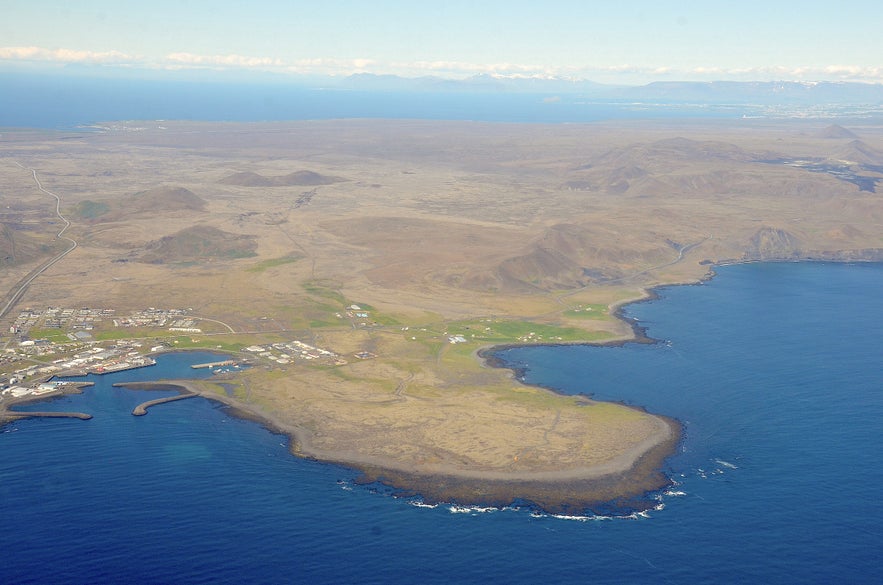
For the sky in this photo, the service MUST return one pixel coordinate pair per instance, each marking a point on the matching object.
(618, 42)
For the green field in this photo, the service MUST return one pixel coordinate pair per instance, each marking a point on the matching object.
(500, 331)
(589, 311)
(51, 335)
(186, 342)
(91, 209)
(273, 262)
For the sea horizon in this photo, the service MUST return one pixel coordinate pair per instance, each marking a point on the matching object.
(72, 102)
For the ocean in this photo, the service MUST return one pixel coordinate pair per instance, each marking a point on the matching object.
(774, 369)
(69, 101)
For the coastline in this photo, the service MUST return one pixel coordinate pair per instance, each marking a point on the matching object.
(620, 483)
(620, 486)
(616, 485)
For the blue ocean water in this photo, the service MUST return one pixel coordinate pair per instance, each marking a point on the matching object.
(773, 368)
(68, 101)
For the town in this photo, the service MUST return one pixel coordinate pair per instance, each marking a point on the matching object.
(71, 342)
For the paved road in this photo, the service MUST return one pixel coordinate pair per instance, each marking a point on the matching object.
(215, 321)
(19, 293)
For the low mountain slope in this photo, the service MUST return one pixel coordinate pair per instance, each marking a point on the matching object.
(164, 199)
(295, 179)
(198, 244)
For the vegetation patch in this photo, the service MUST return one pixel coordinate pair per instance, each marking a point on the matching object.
(273, 262)
(51, 335)
(91, 209)
(325, 289)
(200, 342)
(588, 311)
(501, 331)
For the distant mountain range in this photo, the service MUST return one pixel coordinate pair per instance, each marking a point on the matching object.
(741, 92)
(482, 82)
(759, 92)
(711, 92)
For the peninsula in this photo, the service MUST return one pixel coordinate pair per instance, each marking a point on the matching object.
(365, 267)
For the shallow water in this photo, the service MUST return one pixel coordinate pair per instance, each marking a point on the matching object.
(773, 368)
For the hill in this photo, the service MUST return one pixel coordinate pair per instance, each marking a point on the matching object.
(18, 247)
(762, 92)
(860, 152)
(90, 210)
(246, 179)
(297, 178)
(836, 131)
(163, 199)
(199, 243)
(567, 256)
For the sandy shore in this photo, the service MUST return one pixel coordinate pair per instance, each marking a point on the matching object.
(618, 483)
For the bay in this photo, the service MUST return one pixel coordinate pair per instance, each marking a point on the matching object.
(773, 368)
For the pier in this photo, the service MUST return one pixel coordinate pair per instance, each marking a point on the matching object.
(213, 364)
(141, 409)
(122, 366)
(17, 414)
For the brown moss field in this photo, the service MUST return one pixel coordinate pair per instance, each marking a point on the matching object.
(499, 233)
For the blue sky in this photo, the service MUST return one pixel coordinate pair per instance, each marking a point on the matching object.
(613, 42)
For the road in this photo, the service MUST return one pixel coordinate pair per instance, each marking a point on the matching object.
(682, 251)
(23, 286)
(229, 328)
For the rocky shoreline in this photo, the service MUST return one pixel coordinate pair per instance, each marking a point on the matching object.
(618, 486)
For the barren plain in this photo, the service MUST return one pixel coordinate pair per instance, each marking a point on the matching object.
(406, 247)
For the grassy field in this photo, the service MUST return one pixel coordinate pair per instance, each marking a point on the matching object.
(588, 311)
(51, 335)
(272, 263)
(505, 332)
(216, 343)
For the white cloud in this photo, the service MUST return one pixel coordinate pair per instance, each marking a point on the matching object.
(65, 55)
(298, 66)
(849, 71)
(764, 73)
(185, 60)
(459, 68)
(807, 73)
(222, 61)
(331, 66)
(615, 73)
